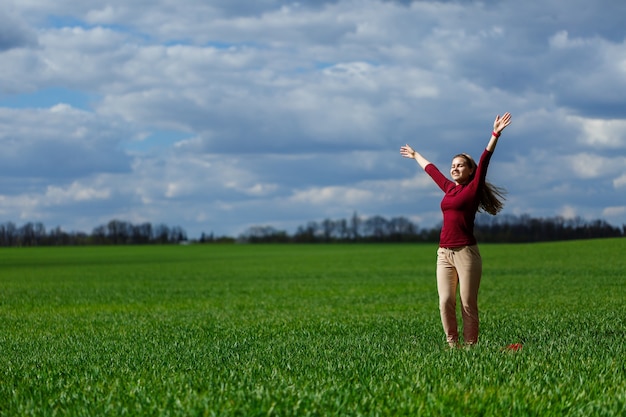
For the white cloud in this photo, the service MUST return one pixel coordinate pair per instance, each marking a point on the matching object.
(601, 132)
(332, 195)
(75, 192)
(568, 212)
(588, 165)
(620, 182)
(561, 40)
(615, 212)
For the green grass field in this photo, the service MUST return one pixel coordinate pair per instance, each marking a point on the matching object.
(246, 330)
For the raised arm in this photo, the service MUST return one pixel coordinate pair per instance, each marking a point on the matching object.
(408, 152)
(498, 126)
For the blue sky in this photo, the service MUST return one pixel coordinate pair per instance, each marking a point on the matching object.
(218, 116)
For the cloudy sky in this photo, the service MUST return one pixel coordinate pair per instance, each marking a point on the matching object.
(219, 115)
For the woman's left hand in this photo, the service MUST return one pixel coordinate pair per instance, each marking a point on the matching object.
(501, 122)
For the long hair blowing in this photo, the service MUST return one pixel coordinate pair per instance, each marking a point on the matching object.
(491, 196)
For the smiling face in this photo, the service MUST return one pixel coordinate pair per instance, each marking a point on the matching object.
(462, 169)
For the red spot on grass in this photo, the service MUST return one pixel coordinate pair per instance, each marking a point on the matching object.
(514, 347)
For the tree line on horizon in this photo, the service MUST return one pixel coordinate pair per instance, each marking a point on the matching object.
(488, 229)
(115, 232)
(375, 229)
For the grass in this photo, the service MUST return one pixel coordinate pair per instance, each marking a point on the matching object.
(307, 330)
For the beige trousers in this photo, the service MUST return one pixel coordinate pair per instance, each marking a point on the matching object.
(463, 267)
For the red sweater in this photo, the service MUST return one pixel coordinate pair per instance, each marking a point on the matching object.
(460, 204)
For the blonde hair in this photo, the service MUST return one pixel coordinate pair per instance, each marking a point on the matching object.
(491, 199)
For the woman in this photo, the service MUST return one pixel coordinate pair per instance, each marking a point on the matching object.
(458, 258)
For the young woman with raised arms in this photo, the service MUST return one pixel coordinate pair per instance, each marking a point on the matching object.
(458, 259)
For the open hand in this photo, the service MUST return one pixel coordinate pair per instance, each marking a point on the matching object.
(407, 152)
(501, 122)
